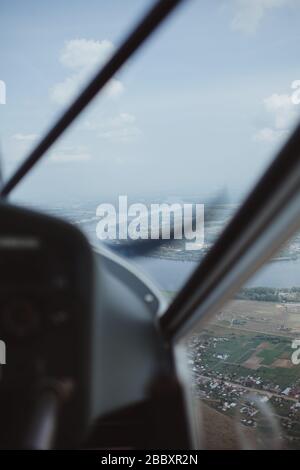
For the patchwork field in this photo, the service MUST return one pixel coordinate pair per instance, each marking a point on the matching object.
(263, 317)
(248, 349)
(240, 353)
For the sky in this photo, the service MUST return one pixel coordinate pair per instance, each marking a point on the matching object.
(203, 106)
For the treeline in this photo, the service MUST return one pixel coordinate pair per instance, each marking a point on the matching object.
(269, 294)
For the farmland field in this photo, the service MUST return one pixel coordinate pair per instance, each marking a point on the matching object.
(248, 350)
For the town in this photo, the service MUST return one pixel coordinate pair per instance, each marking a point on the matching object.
(235, 367)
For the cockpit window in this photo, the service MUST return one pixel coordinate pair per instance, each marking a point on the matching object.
(245, 364)
(193, 120)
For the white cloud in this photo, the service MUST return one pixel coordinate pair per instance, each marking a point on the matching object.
(19, 145)
(82, 57)
(85, 53)
(25, 137)
(124, 134)
(118, 128)
(70, 154)
(22, 144)
(249, 13)
(282, 114)
(270, 135)
(62, 92)
(121, 119)
(114, 88)
(282, 108)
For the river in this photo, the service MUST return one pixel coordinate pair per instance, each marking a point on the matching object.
(170, 275)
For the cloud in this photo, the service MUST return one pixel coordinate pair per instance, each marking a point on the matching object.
(114, 88)
(82, 57)
(248, 14)
(25, 137)
(20, 144)
(118, 128)
(70, 154)
(85, 53)
(63, 92)
(121, 119)
(282, 108)
(283, 114)
(270, 135)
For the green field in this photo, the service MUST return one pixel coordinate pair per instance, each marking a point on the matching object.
(240, 347)
(276, 352)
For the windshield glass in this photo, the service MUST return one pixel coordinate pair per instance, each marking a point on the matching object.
(245, 365)
(193, 119)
